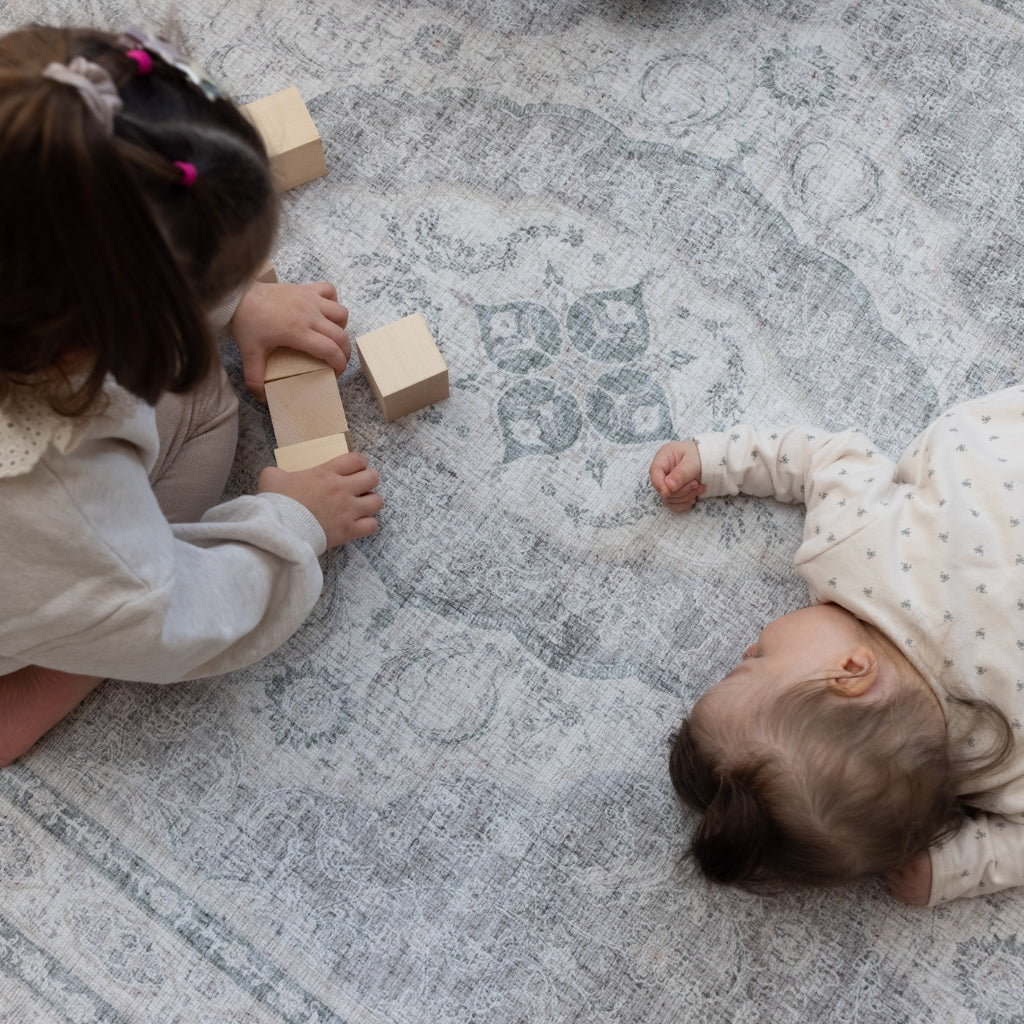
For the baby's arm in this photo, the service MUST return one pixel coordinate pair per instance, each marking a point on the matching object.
(307, 317)
(761, 463)
(794, 464)
(675, 475)
(986, 855)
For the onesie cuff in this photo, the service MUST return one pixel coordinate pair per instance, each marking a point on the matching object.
(713, 449)
(942, 868)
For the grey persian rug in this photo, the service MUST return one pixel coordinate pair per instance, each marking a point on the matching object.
(445, 799)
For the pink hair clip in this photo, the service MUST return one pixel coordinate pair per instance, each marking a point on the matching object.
(142, 59)
(189, 174)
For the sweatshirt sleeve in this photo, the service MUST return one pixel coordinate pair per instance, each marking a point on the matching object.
(986, 855)
(220, 316)
(108, 587)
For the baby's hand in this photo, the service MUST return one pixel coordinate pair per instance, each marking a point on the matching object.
(675, 475)
(911, 882)
(307, 317)
(340, 493)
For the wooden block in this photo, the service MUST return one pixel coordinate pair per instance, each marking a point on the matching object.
(306, 407)
(403, 366)
(287, 362)
(308, 454)
(293, 143)
(268, 275)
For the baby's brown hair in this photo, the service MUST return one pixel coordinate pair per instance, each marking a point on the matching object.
(106, 250)
(834, 790)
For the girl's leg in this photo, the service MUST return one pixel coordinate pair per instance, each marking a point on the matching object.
(198, 433)
(32, 701)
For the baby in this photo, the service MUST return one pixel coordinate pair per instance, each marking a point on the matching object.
(873, 732)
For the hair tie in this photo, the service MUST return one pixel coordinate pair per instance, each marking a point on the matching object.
(142, 59)
(93, 83)
(139, 38)
(189, 174)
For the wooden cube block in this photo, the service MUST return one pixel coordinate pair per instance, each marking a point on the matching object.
(404, 367)
(293, 143)
(308, 454)
(268, 275)
(287, 362)
(306, 407)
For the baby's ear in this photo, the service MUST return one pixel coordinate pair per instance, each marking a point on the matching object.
(858, 673)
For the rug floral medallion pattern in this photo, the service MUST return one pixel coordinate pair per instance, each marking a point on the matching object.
(445, 799)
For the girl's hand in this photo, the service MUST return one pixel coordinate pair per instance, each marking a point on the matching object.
(675, 475)
(911, 882)
(307, 317)
(340, 493)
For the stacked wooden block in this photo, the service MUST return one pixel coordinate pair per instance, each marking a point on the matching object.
(401, 362)
(306, 410)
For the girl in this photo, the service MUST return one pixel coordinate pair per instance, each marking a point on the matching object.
(872, 732)
(137, 206)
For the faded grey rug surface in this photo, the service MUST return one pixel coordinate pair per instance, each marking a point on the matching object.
(445, 799)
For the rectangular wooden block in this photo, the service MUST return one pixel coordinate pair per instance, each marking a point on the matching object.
(404, 367)
(306, 407)
(308, 454)
(293, 143)
(268, 275)
(287, 362)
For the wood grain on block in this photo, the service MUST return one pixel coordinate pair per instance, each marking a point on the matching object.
(308, 454)
(287, 362)
(403, 365)
(293, 144)
(306, 407)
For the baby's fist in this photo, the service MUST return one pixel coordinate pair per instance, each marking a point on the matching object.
(911, 882)
(675, 475)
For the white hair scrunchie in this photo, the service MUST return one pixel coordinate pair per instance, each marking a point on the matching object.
(94, 85)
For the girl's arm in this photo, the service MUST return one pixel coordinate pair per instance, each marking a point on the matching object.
(101, 584)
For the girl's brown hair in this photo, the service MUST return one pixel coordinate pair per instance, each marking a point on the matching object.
(107, 262)
(838, 790)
